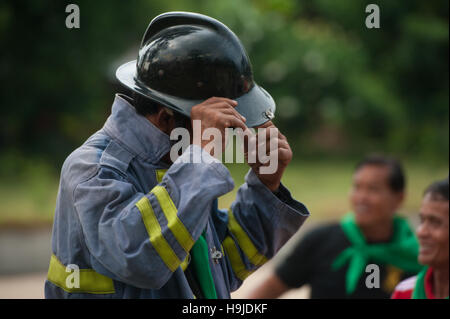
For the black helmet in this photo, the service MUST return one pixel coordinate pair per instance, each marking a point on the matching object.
(186, 58)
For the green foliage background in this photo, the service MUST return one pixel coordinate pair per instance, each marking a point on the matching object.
(342, 90)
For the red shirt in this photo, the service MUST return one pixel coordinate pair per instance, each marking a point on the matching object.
(404, 289)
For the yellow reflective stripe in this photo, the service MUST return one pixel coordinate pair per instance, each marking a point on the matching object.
(157, 239)
(91, 282)
(185, 262)
(245, 243)
(174, 223)
(160, 174)
(236, 261)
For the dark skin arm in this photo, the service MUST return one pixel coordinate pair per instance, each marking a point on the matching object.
(269, 287)
(283, 153)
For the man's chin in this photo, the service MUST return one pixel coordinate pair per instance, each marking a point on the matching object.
(363, 219)
(425, 259)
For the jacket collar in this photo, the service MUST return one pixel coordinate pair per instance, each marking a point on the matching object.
(135, 133)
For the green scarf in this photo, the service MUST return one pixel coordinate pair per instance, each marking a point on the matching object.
(401, 251)
(419, 289)
(200, 262)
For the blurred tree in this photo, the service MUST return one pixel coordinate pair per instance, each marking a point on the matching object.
(340, 87)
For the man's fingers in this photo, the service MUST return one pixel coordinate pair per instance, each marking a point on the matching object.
(283, 144)
(266, 148)
(267, 144)
(214, 100)
(284, 155)
(232, 111)
(233, 121)
(274, 144)
(266, 125)
(267, 133)
(264, 138)
(246, 135)
(224, 105)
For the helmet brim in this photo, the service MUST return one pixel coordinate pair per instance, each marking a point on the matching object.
(257, 106)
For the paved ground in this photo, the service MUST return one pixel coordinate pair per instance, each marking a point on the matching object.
(31, 286)
(24, 251)
(28, 286)
(25, 254)
(249, 284)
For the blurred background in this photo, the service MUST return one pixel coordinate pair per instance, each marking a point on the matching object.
(342, 91)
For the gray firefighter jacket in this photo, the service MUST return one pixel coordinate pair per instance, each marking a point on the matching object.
(125, 221)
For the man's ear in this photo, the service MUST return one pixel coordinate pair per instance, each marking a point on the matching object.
(164, 120)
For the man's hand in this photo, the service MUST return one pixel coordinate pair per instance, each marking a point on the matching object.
(283, 154)
(219, 113)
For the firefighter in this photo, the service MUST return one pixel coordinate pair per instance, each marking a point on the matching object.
(136, 223)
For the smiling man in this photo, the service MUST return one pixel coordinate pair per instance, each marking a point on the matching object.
(432, 282)
(333, 258)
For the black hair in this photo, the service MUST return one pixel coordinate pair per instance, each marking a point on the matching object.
(438, 190)
(397, 180)
(144, 106)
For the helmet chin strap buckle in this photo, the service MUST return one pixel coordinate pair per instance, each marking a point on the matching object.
(268, 115)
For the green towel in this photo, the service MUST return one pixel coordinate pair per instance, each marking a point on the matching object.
(419, 289)
(401, 251)
(200, 262)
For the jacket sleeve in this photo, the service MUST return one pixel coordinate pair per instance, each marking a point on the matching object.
(259, 223)
(141, 239)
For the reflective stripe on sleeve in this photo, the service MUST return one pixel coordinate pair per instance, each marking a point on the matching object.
(160, 174)
(233, 255)
(179, 231)
(89, 281)
(244, 242)
(185, 262)
(157, 239)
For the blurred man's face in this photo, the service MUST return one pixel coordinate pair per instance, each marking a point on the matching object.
(372, 200)
(433, 232)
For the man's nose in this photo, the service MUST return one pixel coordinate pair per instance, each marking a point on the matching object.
(422, 231)
(361, 197)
